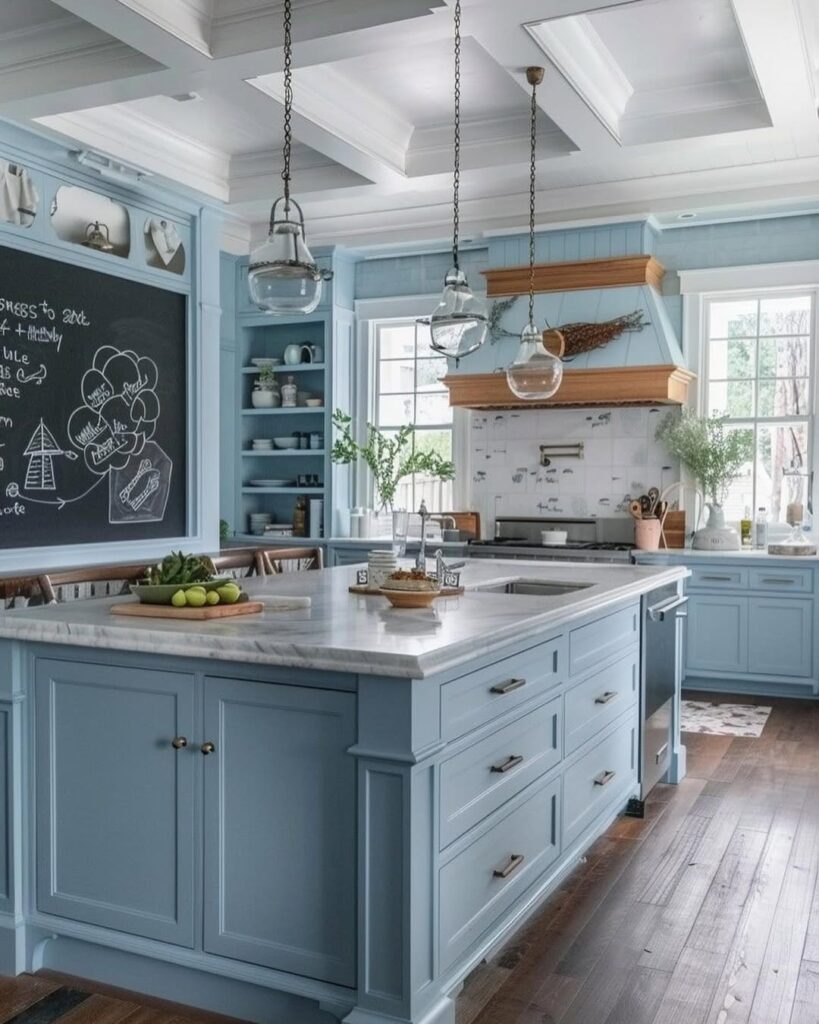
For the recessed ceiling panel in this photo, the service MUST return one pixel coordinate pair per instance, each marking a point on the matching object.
(657, 70)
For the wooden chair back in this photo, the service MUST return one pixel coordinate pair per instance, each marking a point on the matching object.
(95, 581)
(238, 563)
(274, 561)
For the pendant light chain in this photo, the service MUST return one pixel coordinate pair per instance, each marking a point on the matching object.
(456, 177)
(288, 101)
(532, 188)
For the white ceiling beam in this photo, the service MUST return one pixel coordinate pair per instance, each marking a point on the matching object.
(501, 31)
(773, 37)
(173, 34)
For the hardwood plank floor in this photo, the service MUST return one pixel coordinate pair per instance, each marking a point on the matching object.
(706, 912)
(51, 998)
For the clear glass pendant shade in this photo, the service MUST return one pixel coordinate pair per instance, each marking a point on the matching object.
(535, 374)
(459, 322)
(283, 277)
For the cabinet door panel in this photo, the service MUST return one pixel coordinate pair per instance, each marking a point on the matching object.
(781, 637)
(717, 634)
(280, 815)
(115, 801)
(5, 809)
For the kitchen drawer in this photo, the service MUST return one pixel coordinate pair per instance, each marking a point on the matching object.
(483, 696)
(486, 878)
(717, 578)
(481, 778)
(600, 699)
(786, 581)
(599, 780)
(589, 645)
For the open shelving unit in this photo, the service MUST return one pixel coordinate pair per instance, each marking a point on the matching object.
(261, 335)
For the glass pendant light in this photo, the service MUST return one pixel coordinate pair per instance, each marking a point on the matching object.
(283, 277)
(460, 321)
(536, 373)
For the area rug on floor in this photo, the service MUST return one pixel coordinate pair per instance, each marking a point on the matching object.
(724, 719)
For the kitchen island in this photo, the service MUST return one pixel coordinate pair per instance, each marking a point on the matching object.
(332, 812)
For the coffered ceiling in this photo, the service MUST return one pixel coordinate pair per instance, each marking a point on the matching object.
(649, 106)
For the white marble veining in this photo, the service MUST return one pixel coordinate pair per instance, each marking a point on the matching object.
(346, 633)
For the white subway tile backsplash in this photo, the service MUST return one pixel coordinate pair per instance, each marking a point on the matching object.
(621, 459)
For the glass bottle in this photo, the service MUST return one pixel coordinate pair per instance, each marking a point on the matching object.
(745, 525)
(300, 517)
(289, 393)
(761, 528)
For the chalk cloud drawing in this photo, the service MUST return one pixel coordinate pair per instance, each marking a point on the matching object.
(113, 429)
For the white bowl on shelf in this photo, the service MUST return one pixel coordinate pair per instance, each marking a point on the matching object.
(314, 403)
(285, 442)
(265, 361)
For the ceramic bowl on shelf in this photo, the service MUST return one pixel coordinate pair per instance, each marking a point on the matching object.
(261, 361)
(271, 483)
(286, 442)
(314, 403)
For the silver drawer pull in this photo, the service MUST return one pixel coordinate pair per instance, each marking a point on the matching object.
(778, 579)
(604, 698)
(717, 579)
(508, 686)
(511, 762)
(515, 862)
(604, 778)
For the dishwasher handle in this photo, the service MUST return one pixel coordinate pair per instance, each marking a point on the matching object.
(658, 612)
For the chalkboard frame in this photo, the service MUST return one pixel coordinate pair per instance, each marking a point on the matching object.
(202, 225)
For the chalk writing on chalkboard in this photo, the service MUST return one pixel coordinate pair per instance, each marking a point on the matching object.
(93, 406)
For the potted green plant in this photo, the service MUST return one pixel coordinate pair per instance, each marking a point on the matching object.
(389, 457)
(714, 456)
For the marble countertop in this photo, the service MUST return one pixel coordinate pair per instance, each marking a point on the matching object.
(753, 554)
(343, 632)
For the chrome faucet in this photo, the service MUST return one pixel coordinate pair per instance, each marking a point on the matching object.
(421, 557)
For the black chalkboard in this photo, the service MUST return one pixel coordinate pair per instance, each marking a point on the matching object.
(93, 417)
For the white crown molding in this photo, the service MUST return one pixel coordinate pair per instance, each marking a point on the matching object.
(755, 277)
(124, 134)
(191, 23)
(580, 55)
(336, 103)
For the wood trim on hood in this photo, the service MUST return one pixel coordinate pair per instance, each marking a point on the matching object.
(627, 385)
(576, 275)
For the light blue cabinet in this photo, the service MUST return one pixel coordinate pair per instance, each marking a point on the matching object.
(115, 798)
(5, 808)
(717, 634)
(280, 828)
(781, 636)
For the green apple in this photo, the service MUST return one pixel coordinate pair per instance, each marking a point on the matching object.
(212, 597)
(179, 600)
(229, 593)
(196, 596)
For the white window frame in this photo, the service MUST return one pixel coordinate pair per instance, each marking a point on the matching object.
(370, 315)
(699, 287)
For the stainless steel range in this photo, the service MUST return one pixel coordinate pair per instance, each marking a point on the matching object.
(588, 540)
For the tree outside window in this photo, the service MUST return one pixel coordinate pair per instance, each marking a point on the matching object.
(409, 390)
(758, 364)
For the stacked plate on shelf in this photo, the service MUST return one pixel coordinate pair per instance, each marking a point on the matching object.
(258, 522)
(262, 444)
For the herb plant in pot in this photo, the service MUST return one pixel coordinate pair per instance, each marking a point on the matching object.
(389, 457)
(714, 456)
(266, 392)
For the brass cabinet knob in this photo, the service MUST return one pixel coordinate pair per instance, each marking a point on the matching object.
(178, 742)
(207, 748)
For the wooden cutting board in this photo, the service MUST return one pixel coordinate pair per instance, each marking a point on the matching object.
(163, 611)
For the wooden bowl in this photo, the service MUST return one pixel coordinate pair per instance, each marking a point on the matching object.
(410, 598)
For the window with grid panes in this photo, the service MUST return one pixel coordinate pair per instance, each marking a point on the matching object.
(409, 389)
(758, 361)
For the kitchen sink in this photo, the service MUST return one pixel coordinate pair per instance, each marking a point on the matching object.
(538, 588)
